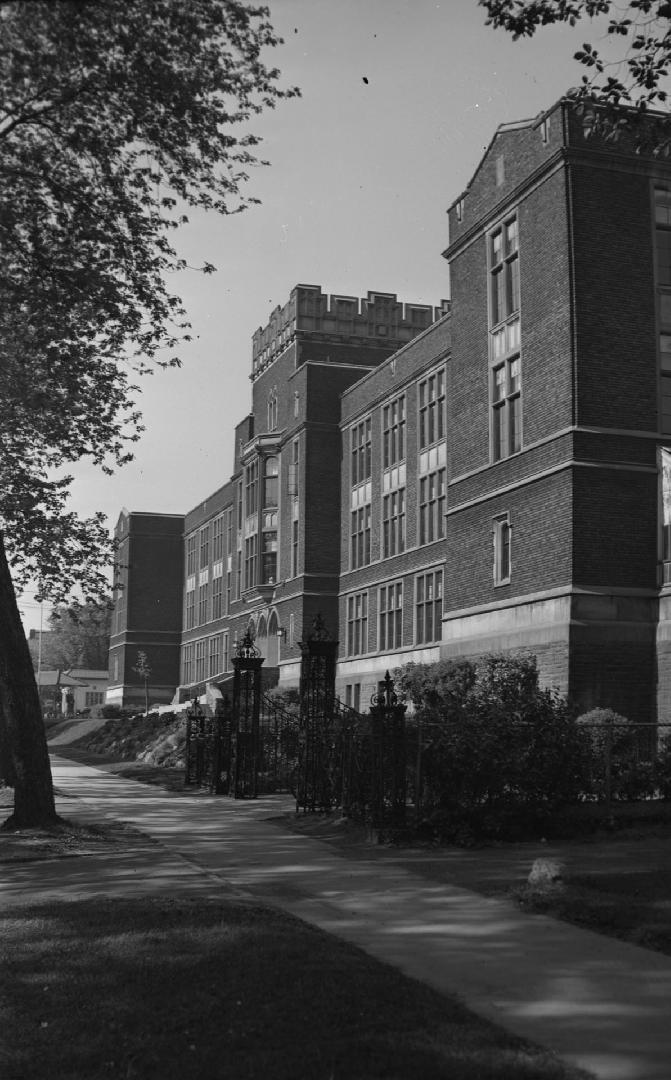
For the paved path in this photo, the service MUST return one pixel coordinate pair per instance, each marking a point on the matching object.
(599, 1003)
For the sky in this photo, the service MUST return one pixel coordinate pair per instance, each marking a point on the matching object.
(399, 100)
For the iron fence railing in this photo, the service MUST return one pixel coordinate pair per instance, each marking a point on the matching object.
(616, 761)
(382, 766)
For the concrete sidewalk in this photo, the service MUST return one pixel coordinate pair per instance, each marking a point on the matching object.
(599, 1003)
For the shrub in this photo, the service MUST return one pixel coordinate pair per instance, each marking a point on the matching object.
(436, 689)
(663, 768)
(633, 771)
(501, 753)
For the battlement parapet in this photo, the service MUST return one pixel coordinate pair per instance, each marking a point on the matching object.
(377, 317)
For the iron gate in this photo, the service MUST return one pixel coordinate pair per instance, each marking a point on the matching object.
(347, 759)
(208, 747)
(249, 746)
(327, 754)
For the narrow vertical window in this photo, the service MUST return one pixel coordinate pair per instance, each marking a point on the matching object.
(432, 506)
(270, 520)
(504, 341)
(204, 547)
(357, 624)
(201, 660)
(187, 664)
(361, 452)
(190, 605)
(428, 607)
(215, 657)
(191, 555)
(203, 598)
(390, 617)
(272, 410)
(251, 556)
(218, 538)
(217, 595)
(432, 409)
(251, 489)
(393, 523)
(360, 537)
(393, 433)
(294, 548)
(502, 536)
(293, 492)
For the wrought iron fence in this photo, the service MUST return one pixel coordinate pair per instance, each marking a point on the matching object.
(630, 760)
(207, 748)
(613, 762)
(381, 766)
(278, 747)
(242, 761)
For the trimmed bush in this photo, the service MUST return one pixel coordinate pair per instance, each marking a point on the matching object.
(663, 768)
(501, 754)
(633, 768)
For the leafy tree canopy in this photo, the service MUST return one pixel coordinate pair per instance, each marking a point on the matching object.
(635, 78)
(115, 120)
(79, 637)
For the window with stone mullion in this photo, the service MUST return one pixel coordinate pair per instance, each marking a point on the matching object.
(391, 617)
(505, 380)
(357, 624)
(393, 523)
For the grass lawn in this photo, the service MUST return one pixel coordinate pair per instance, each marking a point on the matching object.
(633, 906)
(205, 989)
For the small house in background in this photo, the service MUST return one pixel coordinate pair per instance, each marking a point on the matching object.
(68, 693)
(54, 686)
(90, 686)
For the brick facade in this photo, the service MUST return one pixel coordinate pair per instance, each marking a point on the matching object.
(479, 477)
(582, 489)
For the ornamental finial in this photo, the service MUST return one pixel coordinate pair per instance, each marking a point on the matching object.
(245, 649)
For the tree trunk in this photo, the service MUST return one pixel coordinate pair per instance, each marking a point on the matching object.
(25, 758)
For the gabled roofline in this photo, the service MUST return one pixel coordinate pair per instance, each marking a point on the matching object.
(512, 125)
